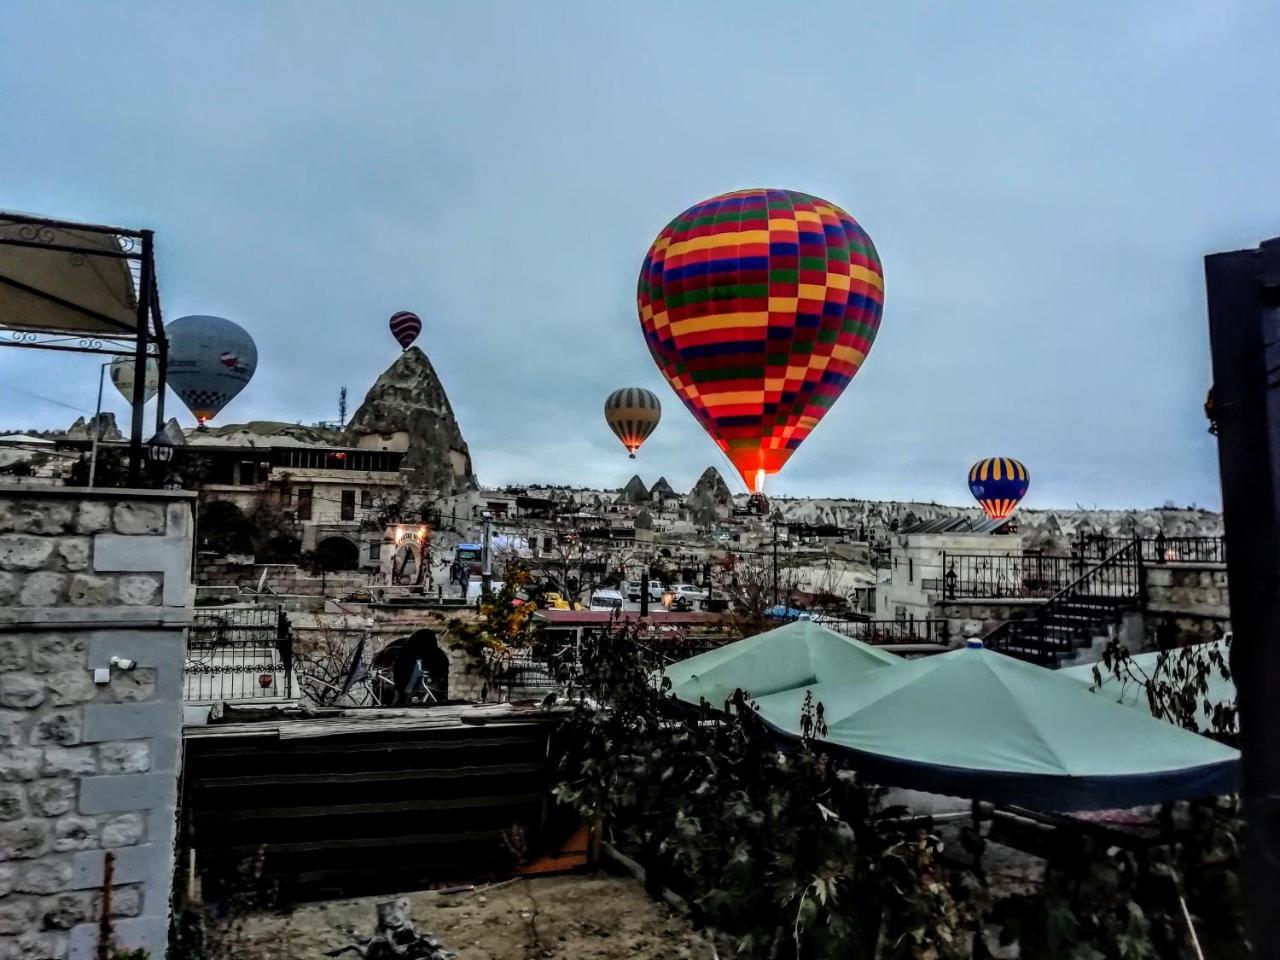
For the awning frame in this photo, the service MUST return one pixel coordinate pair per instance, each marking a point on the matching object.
(143, 341)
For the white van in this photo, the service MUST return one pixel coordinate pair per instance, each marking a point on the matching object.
(606, 600)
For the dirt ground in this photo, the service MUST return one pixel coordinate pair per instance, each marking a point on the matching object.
(583, 917)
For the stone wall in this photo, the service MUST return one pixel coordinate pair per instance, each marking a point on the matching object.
(979, 617)
(1192, 600)
(88, 764)
(284, 578)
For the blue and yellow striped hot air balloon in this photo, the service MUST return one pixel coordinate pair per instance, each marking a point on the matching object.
(998, 483)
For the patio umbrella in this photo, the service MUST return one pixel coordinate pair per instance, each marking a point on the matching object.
(799, 655)
(976, 723)
(1134, 694)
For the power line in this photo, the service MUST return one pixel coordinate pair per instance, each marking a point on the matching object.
(36, 396)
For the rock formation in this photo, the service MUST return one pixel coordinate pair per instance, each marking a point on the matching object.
(710, 499)
(272, 433)
(408, 405)
(82, 429)
(661, 491)
(634, 492)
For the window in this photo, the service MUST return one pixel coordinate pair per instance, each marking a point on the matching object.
(248, 474)
(375, 550)
(348, 505)
(304, 503)
(366, 499)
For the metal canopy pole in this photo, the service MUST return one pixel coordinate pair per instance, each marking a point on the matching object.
(162, 353)
(146, 282)
(1243, 290)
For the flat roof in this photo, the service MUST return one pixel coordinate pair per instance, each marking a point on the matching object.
(584, 618)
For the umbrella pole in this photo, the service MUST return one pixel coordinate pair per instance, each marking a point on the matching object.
(1191, 927)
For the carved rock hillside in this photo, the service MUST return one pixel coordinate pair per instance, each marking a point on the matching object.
(408, 404)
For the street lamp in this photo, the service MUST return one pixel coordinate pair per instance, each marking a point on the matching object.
(160, 448)
(159, 453)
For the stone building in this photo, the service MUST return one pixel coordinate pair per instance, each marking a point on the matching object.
(95, 587)
(916, 584)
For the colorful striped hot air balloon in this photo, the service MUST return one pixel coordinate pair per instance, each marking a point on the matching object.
(405, 327)
(632, 414)
(759, 307)
(998, 483)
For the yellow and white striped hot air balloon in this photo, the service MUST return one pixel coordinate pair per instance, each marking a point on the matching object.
(998, 483)
(632, 414)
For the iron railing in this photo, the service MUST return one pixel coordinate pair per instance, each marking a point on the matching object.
(884, 632)
(1053, 630)
(1161, 549)
(1005, 575)
(238, 654)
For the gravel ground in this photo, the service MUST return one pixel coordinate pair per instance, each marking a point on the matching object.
(583, 917)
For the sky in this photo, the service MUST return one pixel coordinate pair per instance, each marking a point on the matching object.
(1042, 182)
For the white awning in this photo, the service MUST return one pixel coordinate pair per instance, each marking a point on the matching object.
(65, 285)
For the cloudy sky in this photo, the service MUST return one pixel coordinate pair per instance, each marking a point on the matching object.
(1041, 186)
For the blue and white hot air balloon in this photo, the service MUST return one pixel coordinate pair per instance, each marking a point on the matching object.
(211, 360)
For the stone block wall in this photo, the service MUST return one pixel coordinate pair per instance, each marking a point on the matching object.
(1192, 599)
(979, 617)
(284, 578)
(89, 768)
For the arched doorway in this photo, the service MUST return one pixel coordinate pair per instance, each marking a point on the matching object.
(338, 553)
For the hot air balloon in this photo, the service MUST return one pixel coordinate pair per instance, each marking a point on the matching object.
(759, 306)
(405, 327)
(632, 414)
(210, 361)
(121, 371)
(998, 483)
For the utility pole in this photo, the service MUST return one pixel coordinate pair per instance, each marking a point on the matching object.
(644, 593)
(1243, 290)
(486, 556)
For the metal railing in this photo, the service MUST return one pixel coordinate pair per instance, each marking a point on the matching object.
(1005, 575)
(240, 653)
(884, 632)
(1161, 549)
(1043, 638)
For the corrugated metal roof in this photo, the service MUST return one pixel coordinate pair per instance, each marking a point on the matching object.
(954, 525)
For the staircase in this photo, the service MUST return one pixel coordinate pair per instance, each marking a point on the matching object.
(1082, 612)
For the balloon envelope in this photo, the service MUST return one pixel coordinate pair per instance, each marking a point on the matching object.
(759, 307)
(632, 414)
(405, 327)
(998, 483)
(121, 371)
(211, 360)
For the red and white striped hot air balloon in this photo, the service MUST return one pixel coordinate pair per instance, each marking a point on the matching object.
(405, 327)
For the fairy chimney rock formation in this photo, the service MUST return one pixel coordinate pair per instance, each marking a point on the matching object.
(661, 491)
(710, 499)
(82, 429)
(407, 409)
(634, 492)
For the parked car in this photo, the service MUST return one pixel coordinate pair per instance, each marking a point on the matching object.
(631, 590)
(687, 590)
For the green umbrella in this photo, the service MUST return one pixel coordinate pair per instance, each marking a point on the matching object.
(980, 724)
(796, 656)
(1133, 693)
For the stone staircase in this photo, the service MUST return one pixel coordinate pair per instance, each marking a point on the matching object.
(1084, 614)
